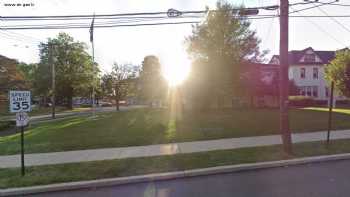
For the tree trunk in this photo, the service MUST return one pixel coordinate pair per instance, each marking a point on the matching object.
(117, 103)
(45, 101)
(218, 102)
(251, 101)
(70, 98)
(70, 102)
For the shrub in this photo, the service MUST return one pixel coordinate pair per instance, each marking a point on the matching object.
(7, 124)
(301, 101)
(85, 105)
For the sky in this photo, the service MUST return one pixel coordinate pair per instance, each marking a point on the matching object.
(132, 44)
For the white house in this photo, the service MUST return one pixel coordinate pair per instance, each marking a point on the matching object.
(306, 69)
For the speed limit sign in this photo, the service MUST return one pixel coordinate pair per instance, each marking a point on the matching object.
(20, 101)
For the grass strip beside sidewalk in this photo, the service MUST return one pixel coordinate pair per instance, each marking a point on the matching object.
(41, 175)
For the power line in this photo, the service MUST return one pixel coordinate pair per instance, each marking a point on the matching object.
(324, 31)
(22, 36)
(335, 20)
(126, 23)
(136, 22)
(88, 23)
(138, 14)
(269, 29)
(90, 16)
(142, 14)
(17, 38)
(312, 7)
(339, 4)
(101, 26)
(135, 19)
(101, 18)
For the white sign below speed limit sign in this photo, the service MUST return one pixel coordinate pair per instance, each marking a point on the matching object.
(20, 101)
(22, 119)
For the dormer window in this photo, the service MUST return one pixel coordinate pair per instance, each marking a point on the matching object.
(309, 58)
(302, 73)
(315, 73)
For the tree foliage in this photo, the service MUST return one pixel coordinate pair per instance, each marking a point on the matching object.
(217, 46)
(10, 77)
(119, 83)
(153, 86)
(338, 70)
(28, 72)
(75, 73)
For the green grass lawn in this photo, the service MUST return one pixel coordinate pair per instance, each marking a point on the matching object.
(325, 109)
(40, 175)
(152, 126)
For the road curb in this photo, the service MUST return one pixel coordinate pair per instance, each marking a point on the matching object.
(168, 175)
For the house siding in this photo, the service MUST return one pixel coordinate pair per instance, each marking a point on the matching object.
(320, 82)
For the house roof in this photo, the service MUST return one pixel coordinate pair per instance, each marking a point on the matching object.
(249, 65)
(6, 58)
(295, 56)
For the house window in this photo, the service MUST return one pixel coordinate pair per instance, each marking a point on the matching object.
(302, 91)
(302, 73)
(309, 58)
(314, 91)
(315, 73)
(326, 91)
(308, 90)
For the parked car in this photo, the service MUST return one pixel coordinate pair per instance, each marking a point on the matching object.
(105, 104)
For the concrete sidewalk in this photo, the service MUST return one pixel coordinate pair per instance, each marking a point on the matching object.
(161, 149)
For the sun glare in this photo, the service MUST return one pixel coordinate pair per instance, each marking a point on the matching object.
(175, 68)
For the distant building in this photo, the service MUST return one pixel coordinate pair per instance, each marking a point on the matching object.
(306, 69)
(260, 84)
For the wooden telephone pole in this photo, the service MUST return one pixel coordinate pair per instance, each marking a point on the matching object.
(283, 76)
(53, 98)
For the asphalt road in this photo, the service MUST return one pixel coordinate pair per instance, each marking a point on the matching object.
(328, 179)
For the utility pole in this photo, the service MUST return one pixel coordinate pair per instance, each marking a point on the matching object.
(93, 65)
(283, 76)
(53, 97)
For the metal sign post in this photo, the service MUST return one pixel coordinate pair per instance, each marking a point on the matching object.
(22, 152)
(20, 103)
(22, 121)
(330, 113)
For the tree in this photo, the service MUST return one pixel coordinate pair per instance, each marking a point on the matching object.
(74, 69)
(252, 83)
(117, 84)
(153, 86)
(219, 45)
(338, 70)
(10, 78)
(107, 85)
(28, 71)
